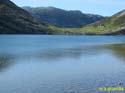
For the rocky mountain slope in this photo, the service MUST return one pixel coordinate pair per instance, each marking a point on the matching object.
(63, 18)
(114, 25)
(14, 20)
(111, 25)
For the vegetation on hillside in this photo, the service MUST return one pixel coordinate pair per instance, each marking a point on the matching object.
(109, 25)
(14, 20)
(63, 18)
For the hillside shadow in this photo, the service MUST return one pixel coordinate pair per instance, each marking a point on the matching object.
(5, 63)
(118, 50)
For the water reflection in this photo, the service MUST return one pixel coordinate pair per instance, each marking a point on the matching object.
(71, 53)
(54, 54)
(118, 50)
(5, 62)
(58, 53)
(32, 68)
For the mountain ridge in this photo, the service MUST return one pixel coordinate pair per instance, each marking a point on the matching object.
(15, 20)
(62, 18)
(113, 25)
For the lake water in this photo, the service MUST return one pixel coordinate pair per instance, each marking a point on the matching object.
(61, 64)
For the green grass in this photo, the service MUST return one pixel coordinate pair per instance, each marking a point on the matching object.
(107, 25)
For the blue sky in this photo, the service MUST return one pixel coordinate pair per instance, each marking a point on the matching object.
(102, 7)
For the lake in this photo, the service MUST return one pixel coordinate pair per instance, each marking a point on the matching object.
(61, 64)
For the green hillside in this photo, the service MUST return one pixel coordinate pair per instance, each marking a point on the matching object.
(110, 25)
(63, 18)
(14, 20)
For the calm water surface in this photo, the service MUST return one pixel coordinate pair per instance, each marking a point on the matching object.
(60, 64)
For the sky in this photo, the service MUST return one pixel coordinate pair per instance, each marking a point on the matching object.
(101, 7)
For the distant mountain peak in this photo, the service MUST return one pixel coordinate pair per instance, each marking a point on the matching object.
(121, 13)
(63, 18)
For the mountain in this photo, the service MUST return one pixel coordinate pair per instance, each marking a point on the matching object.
(14, 20)
(111, 25)
(114, 25)
(63, 18)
